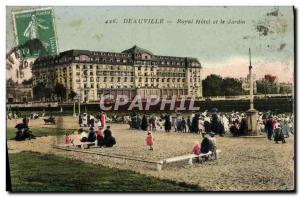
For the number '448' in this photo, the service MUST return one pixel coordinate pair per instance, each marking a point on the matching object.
(111, 21)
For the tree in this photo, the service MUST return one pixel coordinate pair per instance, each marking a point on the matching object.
(60, 90)
(72, 95)
(232, 87)
(213, 86)
(265, 87)
(270, 78)
(40, 91)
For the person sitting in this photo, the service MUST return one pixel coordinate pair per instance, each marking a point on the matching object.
(196, 150)
(91, 135)
(100, 137)
(278, 135)
(68, 138)
(76, 139)
(207, 145)
(83, 135)
(20, 130)
(109, 140)
(27, 134)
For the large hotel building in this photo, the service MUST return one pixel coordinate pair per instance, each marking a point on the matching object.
(92, 74)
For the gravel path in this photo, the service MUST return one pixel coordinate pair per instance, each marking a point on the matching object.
(244, 163)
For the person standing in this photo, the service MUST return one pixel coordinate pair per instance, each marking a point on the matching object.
(269, 127)
(92, 120)
(144, 125)
(149, 141)
(88, 120)
(102, 119)
(189, 124)
(80, 120)
(84, 120)
(195, 124)
(138, 122)
(168, 124)
(183, 125)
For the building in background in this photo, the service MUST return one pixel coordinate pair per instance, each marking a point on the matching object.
(18, 93)
(92, 74)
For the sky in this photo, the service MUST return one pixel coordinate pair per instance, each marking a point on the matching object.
(221, 48)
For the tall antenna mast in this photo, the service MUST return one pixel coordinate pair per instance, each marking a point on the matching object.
(250, 66)
(251, 82)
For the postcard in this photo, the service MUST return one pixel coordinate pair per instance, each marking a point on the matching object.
(150, 98)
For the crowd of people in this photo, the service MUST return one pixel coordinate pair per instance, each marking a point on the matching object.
(277, 127)
(89, 120)
(100, 136)
(234, 123)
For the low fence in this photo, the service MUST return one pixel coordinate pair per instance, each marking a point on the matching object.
(263, 104)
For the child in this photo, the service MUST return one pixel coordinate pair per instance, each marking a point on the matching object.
(196, 150)
(68, 138)
(149, 141)
(76, 139)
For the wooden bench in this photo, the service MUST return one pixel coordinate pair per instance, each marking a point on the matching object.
(81, 145)
(188, 157)
(49, 121)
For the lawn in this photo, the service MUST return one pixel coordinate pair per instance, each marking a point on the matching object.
(34, 172)
(38, 132)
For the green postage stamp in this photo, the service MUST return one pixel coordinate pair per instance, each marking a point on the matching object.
(35, 28)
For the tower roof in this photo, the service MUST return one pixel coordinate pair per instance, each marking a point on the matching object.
(135, 49)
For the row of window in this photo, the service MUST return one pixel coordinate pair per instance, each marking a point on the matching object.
(105, 73)
(112, 54)
(110, 67)
(86, 86)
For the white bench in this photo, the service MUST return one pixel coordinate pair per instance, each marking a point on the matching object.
(188, 157)
(81, 144)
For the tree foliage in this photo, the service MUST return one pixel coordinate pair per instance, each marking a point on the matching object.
(72, 94)
(60, 91)
(232, 87)
(215, 85)
(266, 87)
(270, 78)
(40, 91)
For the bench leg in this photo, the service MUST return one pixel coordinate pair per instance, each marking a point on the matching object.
(191, 161)
(82, 146)
(159, 167)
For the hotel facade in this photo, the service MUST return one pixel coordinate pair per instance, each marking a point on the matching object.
(136, 71)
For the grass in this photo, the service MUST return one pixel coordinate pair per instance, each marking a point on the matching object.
(38, 132)
(34, 172)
